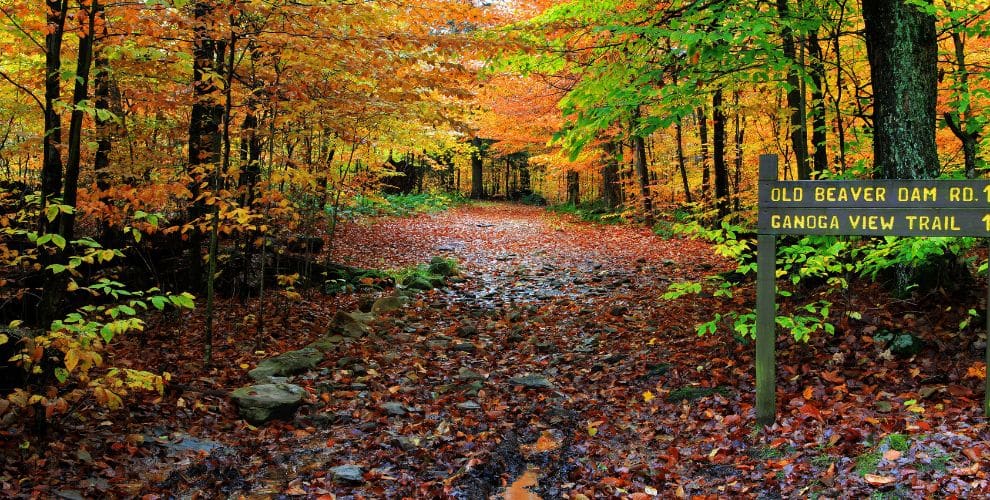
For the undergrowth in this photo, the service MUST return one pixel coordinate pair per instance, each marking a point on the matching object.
(595, 212)
(402, 204)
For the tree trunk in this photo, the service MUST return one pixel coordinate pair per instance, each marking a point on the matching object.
(740, 131)
(681, 163)
(573, 187)
(642, 169)
(51, 168)
(902, 47)
(204, 128)
(795, 101)
(818, 124)
(963, 126)
(477, 171)
(611, 189)
(721, 167)
(706, 174)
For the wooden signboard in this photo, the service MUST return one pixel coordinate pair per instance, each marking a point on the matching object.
(863, 208)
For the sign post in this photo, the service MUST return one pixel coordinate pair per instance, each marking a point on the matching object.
(854, 208)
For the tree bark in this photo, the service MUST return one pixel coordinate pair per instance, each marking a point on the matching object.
(818, 124)
(573, 187)
(681, 163)
(204, 128)
(718, 155)
(902, 47)
(611, 189)
(642, 169)
(51, 168)
(706, 175)
(477, 171)
(795, 101)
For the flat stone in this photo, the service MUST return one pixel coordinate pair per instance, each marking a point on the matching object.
(389, 304)
(350, 324)
(532, 381)
(469, 405)
(466, 374)
(395, 409)
(289, 363)
(350, 473)
(263, 402)
(465, 347)
(327, 343)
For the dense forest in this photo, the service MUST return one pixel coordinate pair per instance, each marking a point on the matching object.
(189, 187)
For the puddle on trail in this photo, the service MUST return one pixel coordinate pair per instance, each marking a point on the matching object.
(520, 488)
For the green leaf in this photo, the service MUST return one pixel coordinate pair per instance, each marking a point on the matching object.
(61, 374)
(159, 302)
(58, 240)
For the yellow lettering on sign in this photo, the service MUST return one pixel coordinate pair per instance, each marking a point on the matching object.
(804, 221)
(781, 194)
(962, 194)
(934, 223)
(871, 222)
(852, 193)
(917, 194)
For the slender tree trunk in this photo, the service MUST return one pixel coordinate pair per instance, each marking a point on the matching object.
(80, 93)
(721, 166)
(963, 126)
(818, 124)
(681, 163)
(738, 140)
(104, 127)
(706, 175)
(642, 169)
(795, 100)
(902, 47)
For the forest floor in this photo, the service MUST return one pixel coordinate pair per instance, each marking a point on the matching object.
(554, 360)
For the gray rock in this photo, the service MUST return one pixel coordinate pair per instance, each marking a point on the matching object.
(394, 408)
(350, 473)
(327, 343)
(466, 374)
(532, 381)
(469, 405)
(467, 330)
(351, 324)
(465, 347)
(389, 304)
(289, 363)
(263, 402)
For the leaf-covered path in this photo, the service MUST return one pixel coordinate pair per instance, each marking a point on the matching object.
(553, 358)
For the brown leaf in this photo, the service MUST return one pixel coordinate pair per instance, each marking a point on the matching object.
(876, 480)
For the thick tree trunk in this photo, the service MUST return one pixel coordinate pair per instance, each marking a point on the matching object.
(611, 189)
(477, 171)
(902, 47)
(51, 167)
(718, 155)
(573, 187)
(795, 101)
(204, 128)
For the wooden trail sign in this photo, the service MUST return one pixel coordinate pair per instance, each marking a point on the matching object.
(863, 208)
